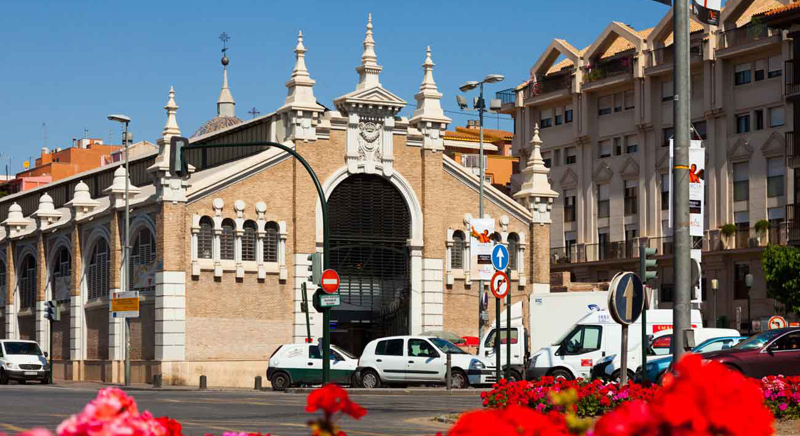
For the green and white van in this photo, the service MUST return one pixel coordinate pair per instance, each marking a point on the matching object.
(301, 364)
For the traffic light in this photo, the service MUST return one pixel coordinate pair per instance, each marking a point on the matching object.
(315, 268)
(51, 311)
(304, 302)
(176, 143)
(647, 266)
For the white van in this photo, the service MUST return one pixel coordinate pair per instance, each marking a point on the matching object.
(592, 338)
(659, 345)
(22, 361)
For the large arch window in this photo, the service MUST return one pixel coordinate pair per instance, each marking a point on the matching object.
(513, 250)
(271, 241)
(143, 255)
(27, 282)
(227, 240)
(249, 241)
(205, 239)
(457, 252)
(97, 271)
(62, 269)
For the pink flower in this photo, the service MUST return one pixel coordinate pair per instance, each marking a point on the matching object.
(783, 406)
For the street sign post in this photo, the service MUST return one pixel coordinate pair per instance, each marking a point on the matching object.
(125, 304)
(500, 257)
(499, 284)
(626, 303)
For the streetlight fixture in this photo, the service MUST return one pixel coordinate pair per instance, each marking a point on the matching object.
(748, 282)
(481, 108)
(126, 235)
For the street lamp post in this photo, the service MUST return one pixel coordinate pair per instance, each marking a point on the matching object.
(126, 245)
(748, 282)
(481, 108)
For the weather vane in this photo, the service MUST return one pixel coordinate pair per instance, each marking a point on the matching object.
(254, 112)
(224, 38)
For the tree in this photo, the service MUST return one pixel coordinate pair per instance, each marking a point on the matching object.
(782, 272)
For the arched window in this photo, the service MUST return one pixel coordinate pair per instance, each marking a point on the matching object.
(496, 238)
(227, 241)
(143, 255)
(27, 283)
(271, 242)
(97, 271)
(457, 252)
(513, 248)
(249, 241)
(205, 239)
(62, 269)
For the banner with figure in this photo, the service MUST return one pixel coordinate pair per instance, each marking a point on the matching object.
(707, 11)
(480, 248)
(697, 192)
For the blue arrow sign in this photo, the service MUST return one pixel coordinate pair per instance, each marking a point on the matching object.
(500, 257)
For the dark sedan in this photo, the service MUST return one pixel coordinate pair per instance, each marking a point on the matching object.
(772, 352)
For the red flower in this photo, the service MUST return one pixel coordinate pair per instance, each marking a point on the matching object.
(172, 426)
(511, 421)
(630, 419)
(331, 399)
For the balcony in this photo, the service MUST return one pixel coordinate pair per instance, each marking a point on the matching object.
(791, 81)
(665, 56)
(611, 68)
(745, 35)
(547, 84)
(578, 253)
(792, 150)
(793, 224)
(507, 96)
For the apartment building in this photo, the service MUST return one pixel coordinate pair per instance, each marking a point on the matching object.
(605, 114)
(463, 145)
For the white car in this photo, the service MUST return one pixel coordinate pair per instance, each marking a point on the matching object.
(22, 361)
(301, 364)
(420, 360)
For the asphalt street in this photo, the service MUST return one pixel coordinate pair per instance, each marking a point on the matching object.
(202, 412)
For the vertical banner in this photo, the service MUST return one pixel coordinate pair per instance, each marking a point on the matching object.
(697, 168)
(480, 248)
(707, 11)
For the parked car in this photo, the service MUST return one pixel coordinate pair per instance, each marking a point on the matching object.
(656, 368)
(659, 344)
(301, 364)
(420, 360)
(772, 352)
(23, 361)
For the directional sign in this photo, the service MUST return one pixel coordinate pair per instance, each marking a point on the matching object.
(500, 257)
(777, 322)
(626, 298)
(330, 281)
(124, 305)
(500, 284)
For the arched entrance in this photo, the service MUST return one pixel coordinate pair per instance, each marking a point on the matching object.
(370, 227)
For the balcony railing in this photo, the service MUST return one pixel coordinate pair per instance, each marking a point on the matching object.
(546, 84)
(666, 55)
(745, 35)
(507, 95)
(792, 149)
(791, 81)
(793, 223)
(614, 67)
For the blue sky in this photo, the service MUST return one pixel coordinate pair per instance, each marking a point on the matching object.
(70, 63)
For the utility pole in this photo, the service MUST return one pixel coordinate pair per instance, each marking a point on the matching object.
(480, 212)
(682, 261)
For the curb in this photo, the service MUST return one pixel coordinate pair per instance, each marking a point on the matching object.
(395, 391)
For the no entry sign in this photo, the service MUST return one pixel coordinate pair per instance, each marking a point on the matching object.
(330, 281)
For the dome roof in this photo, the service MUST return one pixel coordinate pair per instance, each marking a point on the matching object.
(216, 123)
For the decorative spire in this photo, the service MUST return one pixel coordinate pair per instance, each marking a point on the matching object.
(369, 70)
(226, 106)
(301, 85)
(429, 107)
(536, 162)
(536, 193)
(171, 127)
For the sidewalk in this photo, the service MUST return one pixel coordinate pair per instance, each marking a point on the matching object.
(93, 386)
(399, 391)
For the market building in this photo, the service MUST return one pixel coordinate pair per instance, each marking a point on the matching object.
(219, 255)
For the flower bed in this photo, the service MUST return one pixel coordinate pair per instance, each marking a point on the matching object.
(595, 398)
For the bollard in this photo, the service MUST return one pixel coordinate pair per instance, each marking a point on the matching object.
(258, 383)
(157, 381)
(203, 383)
(449, 376)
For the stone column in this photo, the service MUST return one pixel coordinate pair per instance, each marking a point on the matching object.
(537, 196)
(431, 301)
(12, 332)
(42, 325)
(116, 326)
